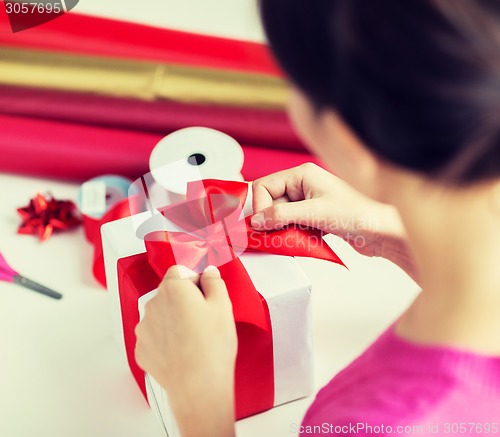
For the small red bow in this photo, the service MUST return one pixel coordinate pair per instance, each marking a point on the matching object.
(44, 215)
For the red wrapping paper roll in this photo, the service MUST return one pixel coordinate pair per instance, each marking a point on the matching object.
(79, 152)
(254, 127)
(82, 34)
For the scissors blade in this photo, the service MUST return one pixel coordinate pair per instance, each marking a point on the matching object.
(35, 286)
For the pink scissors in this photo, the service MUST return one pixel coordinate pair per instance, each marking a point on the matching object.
(8, 274)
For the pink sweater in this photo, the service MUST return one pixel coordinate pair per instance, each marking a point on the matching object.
(401, 388)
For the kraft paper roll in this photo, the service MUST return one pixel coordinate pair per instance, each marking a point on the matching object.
(144, 80)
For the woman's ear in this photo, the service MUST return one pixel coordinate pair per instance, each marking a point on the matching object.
(303, 116)
(347, 154)
(333, 141)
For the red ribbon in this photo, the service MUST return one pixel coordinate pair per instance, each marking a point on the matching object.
(215, 230)
(92, 228)
(215, 235)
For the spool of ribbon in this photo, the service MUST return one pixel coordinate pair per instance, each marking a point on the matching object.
(101, 200)
(193, 154)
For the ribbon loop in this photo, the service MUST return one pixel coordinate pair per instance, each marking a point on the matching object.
(216, 233)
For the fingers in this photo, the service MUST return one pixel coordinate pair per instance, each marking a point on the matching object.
(179, 288)
(283, 183)
(281, 214)
(210, 282)
(212, 285)
(277, 216)
(264, 193)
(182, 272)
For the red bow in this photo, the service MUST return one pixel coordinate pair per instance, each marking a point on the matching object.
(44, 215)
(216, 233)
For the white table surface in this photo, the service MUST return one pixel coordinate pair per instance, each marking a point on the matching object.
(61, 373)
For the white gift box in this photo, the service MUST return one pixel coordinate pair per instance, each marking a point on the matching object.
(279, 279)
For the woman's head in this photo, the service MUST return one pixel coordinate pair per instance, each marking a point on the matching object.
(417, 81)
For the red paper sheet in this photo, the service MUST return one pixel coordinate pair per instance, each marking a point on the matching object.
(254, 127)
(79, 152)
(82, 34)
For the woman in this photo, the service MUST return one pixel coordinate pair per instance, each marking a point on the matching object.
(401, 99)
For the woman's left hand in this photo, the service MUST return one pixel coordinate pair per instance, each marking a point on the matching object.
(187, 342)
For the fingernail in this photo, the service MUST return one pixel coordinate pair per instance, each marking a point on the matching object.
(180, 272)
(212, 271)
(258, 220)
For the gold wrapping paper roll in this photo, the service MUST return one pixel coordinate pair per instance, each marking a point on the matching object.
(144, 80)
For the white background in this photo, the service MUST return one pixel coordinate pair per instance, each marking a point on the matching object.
(230, 18)
(61, 373)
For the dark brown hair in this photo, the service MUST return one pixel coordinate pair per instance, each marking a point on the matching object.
(417, 80)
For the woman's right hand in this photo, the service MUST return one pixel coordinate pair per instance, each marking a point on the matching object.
(311, 196)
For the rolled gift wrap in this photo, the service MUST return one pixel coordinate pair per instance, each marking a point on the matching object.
(143, 80)
(254, 127)
(78, 152)
(72, 151)
(125, 40)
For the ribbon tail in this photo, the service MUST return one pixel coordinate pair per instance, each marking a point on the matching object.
(93, 233)
(292, 241)
(254, 374)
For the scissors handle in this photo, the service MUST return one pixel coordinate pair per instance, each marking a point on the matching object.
(35, 286)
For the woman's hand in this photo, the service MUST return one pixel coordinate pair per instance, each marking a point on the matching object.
(311, 196)
(187, 342)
